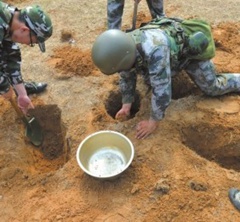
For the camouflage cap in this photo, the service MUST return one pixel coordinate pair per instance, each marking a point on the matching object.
(39, 22)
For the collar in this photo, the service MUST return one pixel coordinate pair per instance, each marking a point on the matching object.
(12, 10)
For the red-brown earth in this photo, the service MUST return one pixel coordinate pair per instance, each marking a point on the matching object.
(182, 172)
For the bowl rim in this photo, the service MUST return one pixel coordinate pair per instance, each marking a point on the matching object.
(100, 132)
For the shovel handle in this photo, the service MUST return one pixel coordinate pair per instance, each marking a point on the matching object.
(15, 106)
(134, 19)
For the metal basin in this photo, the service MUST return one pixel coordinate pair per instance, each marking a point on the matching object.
(105, 154)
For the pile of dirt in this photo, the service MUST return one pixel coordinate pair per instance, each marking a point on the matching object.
(54, 132)
(228, 47)
(69, 60)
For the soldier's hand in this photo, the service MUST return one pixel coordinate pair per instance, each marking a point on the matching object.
(122, 117)
(25, 103)
(124, 113)
(145, 128)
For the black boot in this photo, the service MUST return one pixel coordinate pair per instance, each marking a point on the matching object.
(234, 196)
(34, 88)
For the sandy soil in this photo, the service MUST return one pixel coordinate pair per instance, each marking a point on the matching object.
(180, 173)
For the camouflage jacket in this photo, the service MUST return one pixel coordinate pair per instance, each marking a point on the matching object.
(10, 56)
(153, 62)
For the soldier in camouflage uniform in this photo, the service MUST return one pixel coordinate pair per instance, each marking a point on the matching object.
(115, 11)
(149, 52)
(27, 26)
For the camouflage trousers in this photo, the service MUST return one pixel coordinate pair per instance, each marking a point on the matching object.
(209, 81)
(115, 11)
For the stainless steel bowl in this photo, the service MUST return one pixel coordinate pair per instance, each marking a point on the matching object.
(105, 154)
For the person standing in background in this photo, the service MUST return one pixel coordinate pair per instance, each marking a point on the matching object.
(115, 11)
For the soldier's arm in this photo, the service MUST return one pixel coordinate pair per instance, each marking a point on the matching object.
(12, 57)
(12, 72)
(127, 85)
(4, 84)
(160, 79)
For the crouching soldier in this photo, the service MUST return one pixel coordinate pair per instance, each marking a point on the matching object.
(159, 50)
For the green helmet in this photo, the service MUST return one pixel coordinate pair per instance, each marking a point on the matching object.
(113, 51)
(39, 22)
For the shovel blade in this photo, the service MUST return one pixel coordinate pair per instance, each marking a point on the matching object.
(34, 131)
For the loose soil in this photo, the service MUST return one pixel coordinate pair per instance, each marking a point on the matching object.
(182, 172)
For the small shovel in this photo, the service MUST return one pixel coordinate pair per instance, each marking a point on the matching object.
(134, 18)
(33, 129)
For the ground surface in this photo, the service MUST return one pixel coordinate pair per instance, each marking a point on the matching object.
(180, 173)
